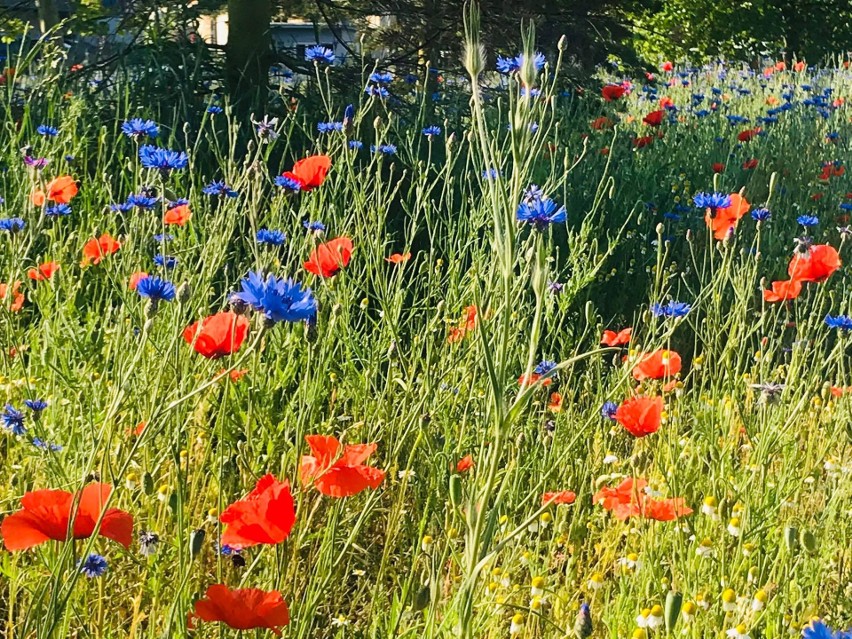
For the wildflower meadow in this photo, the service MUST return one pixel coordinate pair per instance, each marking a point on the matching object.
(468, 354)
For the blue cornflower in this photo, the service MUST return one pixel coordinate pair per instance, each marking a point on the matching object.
(355, 145)
(47, 131)
(384, 149)
(833, 136)
(534, 193)
(314, 226)
(508, 65)
(490, 173)
(271, 236)
(545, 367)
(219, 188)
(165, 261)
(818, 630)
(381, 77)
(279, 299)
(12, 224)
(214, 109)
(760, 215)
(348, 115)
(137, 128)
(530, 93)
(541, 213)
(376, 91)
(608, 410)
(319, 53)
(555, 288)
(48, 446)
(266, 129)
(842, 322)
(93, 565)
(156, 289)
(673, 217)
(122, 207)
(736, 119)
(181, 201)
(432, 131)
(328, 127)
(13, 419)
(671, 309)
(161, 238)
(153, 157)
(142, 201)
(35, 405)
(712, 201)
(807, 220)
(59, 210)
(288, 183)
(846, 206)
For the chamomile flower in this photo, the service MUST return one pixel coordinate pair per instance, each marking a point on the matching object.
(517, 624)
(537, 587)
(729, 600)
(735, 527)
(688, 611)
(738, 632)
(705, 548)
(710, 507)
(596, 581)
(759, 601)
(426, 543)
(630, 562)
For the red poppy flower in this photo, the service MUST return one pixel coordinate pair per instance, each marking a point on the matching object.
(464, 464)
(626, 492)
(654, 118)
(562, 497)
(613, 92)
(783, 290)
(602, 122)
(718, 167)
(657, 365)
(97, 248)
(727, 218)
(457, 333)
(398, 258)
(666, 66)
(61, 190)
(46, 515)
(666, 101)
(310, 172)
(611, 338)
(244, 609)
(640, 416)
(265, 516)
(748, 134)
(338, 473)
(217, 335)
(178, 215)
(43, 271)
(663, 509)
(532, 379)
(799, 66)
(137, 277)
(328, 258)
(16, 301)
(817, 265)
(748, 165)
(235, 375)
(555, 403)
(643, 141)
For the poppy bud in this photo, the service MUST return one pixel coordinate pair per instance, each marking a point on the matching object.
(148, 484)
(149, 323)
(150, 310)
(455, 490)
(422, 598)
(392, 351)
(791, 537)
(563, 43)
(808, 540)
(183, 293)
(674, 600)
(196, 540)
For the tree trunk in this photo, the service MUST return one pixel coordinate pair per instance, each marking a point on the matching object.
(247, 52)
(48, 15)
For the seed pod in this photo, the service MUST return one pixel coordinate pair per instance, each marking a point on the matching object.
(674, 600)
(183, 293)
